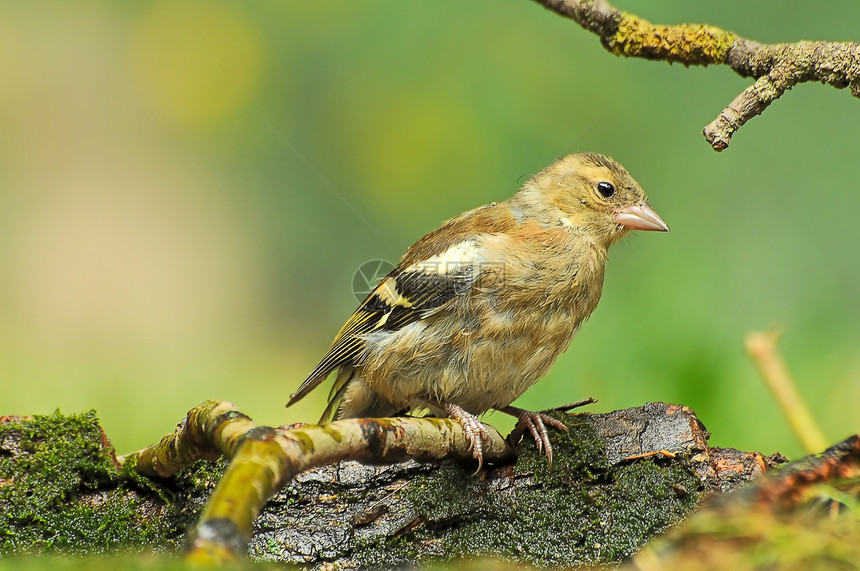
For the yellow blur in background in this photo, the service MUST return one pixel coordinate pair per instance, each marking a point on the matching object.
(187, 189)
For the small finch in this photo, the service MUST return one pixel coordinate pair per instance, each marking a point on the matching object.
(479, 309)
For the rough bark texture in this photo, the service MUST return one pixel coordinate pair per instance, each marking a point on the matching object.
(62, 491)
(598, 505)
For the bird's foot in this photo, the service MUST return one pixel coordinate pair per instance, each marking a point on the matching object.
(535, 423)
(475, 431)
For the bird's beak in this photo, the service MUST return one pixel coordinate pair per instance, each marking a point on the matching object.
(640, 217)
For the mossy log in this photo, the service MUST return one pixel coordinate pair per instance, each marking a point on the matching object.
(619, 479)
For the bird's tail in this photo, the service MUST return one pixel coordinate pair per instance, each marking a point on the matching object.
(337, 394)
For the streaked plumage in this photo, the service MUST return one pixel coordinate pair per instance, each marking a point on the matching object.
(479, 309)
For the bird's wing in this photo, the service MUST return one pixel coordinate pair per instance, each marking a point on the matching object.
(439, 267)
(404, 296)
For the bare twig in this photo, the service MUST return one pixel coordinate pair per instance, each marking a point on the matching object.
(776, 67)
(570, 406)
(761, 348)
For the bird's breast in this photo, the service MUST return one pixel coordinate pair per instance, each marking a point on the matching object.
(551, 267)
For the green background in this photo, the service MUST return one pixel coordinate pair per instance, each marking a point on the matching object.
(187, 188)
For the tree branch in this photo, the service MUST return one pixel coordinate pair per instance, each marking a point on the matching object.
(776, 67)
(262, 459)
(605, 450)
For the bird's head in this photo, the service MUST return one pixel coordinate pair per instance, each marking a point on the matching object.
(595, 193)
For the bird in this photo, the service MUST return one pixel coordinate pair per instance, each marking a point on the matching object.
(478, 310)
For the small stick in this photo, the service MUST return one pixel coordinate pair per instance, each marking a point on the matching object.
(761, 348)
(573, 405)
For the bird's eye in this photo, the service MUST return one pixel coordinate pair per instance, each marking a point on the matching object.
(606, 189)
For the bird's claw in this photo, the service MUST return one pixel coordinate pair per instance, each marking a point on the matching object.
(535, 423)
(474, 430)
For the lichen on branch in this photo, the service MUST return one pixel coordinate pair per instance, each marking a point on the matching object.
(689, 44)
(775, 67)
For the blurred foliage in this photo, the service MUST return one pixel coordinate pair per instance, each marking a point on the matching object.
(813, 524)
(187, 188)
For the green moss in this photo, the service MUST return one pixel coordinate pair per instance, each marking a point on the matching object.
(444, 494)
(390, 553)
(62, 491)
